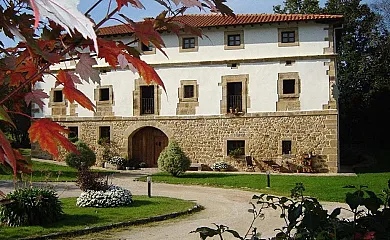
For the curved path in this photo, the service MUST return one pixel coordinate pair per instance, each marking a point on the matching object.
(222, 206)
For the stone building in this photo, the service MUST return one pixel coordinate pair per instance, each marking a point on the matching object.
(260, 83)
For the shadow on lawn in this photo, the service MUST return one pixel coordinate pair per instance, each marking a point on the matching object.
(69, 220)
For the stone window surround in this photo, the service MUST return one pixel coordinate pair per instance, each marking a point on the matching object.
(287, 76)
(153, 51)
(195, 49)
(97, 94)
(56, 104)
(225, 143)
(98, 131)
(137, 97)
(244, 79)
(227, 33)
(293, 147)
(290, 29)
(181, 91)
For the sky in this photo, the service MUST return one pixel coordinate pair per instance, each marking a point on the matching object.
(152, 9)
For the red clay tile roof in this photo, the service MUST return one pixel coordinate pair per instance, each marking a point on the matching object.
(214, 20)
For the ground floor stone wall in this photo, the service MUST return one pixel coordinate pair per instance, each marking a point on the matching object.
(204, 138)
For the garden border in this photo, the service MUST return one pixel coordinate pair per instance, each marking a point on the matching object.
(194, 209)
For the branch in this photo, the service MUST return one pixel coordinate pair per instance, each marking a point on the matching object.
(20, 113)
(93, 6)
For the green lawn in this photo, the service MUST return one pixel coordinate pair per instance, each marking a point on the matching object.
(324, 188)
(48, 172)
(80, 218)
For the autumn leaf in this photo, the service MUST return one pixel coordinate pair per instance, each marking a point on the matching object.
(49, 135)
(189, 3)
(66, 14)
(36, 96)
(134, 3)
(85, 70)
(7, 156)
(109, 51)
(123, 63)
(70, 91)
(145, 71)
(76, 79)
(5, 117)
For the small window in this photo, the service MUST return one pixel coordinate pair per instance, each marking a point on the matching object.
(234, 40)
(104, 133)
(104, 94)
(288, 63)
(289, 86)
(236, 147)
(58, 96)
(73, 132)
(288, 37)
(188, 91)
(146, 48)
(188, 43)
(286, 147)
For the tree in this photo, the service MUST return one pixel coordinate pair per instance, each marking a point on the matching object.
(68, 32)
(298, 6)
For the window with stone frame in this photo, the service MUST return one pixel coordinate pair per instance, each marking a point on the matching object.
(105, 133)
(58, 97)
(73, 132)
(235, 147)
(188, 43)
(286, 146)
(234, 40)
(147, 49)
(235, 97)
(288, 37)
(104, 94)
(146, 98)
(188, 97)
(288, 85)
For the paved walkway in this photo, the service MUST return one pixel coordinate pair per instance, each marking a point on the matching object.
(222, 206)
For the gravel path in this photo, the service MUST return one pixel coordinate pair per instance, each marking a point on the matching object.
(222, 206)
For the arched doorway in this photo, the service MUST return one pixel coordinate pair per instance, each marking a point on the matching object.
(147, 144)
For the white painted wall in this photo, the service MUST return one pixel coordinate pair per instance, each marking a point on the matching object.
(260, 42)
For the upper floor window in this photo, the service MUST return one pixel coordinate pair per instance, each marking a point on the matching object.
(188, 44)
(147, 99)
(234, 40)
(103, 94)
(57, 96)
(147, 49)
(288, 37)
(188, 91)
(288, 85)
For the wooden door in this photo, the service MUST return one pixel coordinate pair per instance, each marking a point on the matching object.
(148, 144)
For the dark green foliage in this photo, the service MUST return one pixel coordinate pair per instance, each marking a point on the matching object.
(31, 206)
(173, 160)
(88, 180)
(85, 159)
(298, 6)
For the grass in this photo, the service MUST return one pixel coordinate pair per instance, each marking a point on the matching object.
(76, 218)
(43, 172)
(324, 188)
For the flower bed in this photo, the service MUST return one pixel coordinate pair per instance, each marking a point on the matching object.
(116, 160)
(220, 166)
(114, 196)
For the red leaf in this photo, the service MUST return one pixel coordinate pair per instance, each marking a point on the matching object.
(134, 3)
(7, 156)
(16, 79)
(71, 93)
(49, 135)
(109, 51)
(145, 71)
(85, 70)
(36, 97)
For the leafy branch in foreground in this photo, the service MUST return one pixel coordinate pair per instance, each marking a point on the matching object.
(306, 218)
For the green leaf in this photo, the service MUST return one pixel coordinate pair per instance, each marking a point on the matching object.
(5, 117)
(335, 212)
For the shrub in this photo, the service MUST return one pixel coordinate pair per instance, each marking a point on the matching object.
(173, 160)
(114, 196)
(85, 159)
(31, 206)
(88, 180)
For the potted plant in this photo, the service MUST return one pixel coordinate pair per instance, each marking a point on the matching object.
(236, 153)
(118, 161)
(220, 166)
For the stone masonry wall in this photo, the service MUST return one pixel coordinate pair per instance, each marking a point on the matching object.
(204, 138)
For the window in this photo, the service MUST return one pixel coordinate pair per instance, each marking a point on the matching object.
(147, 49)
(288, 37)
(234, 40)
(188, 43)
(236, 147)
(234, 97)
(188, 91)
(286, 147)
(73, 132)
(57, 96)
(104, 94)
(288, 86)
(147, 99)
(105, 133)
